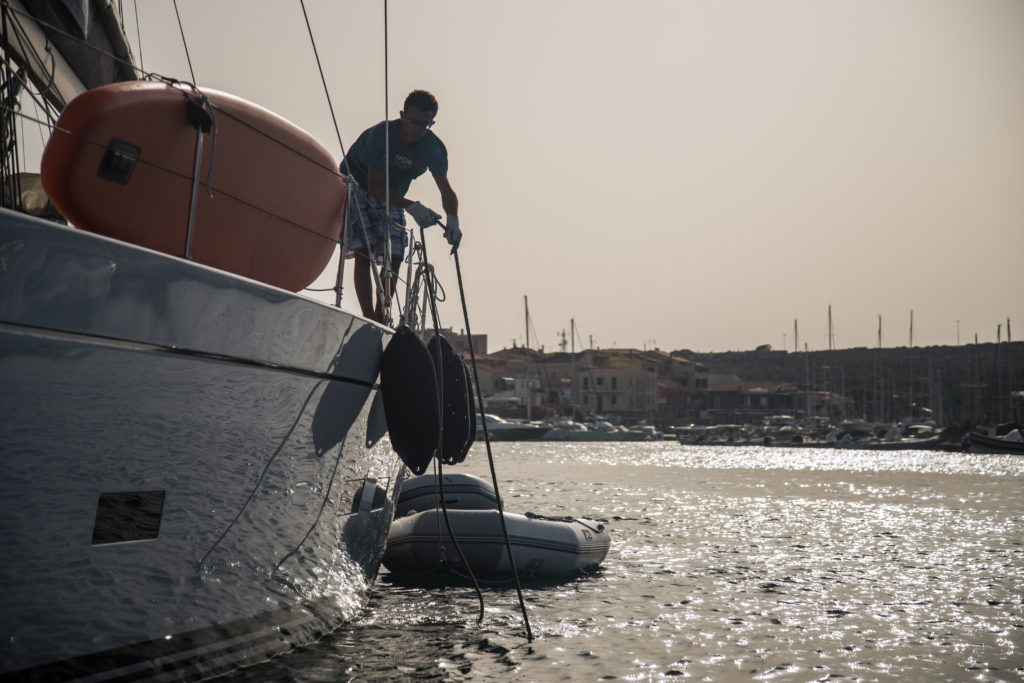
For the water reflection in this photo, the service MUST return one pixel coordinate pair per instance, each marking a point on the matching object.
(740, 563)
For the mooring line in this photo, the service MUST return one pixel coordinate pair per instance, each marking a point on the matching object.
(487, 441)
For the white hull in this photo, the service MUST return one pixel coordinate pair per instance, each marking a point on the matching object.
(182, 451)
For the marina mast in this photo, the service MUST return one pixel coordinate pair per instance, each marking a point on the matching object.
(526, 306)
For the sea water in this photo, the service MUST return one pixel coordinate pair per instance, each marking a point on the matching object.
(727, 563)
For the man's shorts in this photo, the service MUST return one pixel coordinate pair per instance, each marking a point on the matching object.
(366, 223)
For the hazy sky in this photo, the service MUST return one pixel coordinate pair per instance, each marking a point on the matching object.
(679, 173)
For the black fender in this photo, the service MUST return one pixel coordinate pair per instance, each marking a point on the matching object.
(408, 388)
(457, 417)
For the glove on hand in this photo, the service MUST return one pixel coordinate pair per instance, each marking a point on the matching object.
(424, 216)
(452, 232)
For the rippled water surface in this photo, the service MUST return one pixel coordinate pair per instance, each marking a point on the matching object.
(736, 563)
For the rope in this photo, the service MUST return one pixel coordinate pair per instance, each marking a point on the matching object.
(10, 182)
(138, 34)
(323, 79)
(487, 441)
(184, 42)
(26, 47)
(440, 440)
(263, 474)
(170, 171)
(377, 278)
(327, 493)
(84, 43)
(172, 81)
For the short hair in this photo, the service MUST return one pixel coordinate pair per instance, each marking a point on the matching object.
(422, 100)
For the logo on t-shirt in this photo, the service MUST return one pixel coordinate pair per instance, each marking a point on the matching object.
(402, 162)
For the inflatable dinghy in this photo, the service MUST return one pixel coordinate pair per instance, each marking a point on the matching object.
(461, 492)
(542, 546)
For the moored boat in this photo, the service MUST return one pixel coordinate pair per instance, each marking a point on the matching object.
(195, 467)
(179, 461)
(1009, 444)
(569, 430)
(902, 444)
(500, 429)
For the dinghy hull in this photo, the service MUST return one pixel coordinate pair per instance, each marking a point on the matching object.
(542, 547)
(461, 492)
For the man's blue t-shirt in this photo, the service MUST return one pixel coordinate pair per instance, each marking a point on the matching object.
(407, 163)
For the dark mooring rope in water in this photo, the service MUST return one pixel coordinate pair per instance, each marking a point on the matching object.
(487, 441)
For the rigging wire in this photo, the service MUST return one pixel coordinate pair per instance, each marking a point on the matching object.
(386, 308)
(346, 172)
(184, 42)
(323, 79)
(138, 36)
(165, 169)
(170, 81)
(85, 44)
(10, 183)
(263, 474)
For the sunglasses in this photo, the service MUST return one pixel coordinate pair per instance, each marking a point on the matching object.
(418, 124)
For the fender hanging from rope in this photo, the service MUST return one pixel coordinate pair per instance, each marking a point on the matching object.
(408, 388)
(456, 411)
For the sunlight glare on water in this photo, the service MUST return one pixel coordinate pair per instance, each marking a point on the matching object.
(727, 563)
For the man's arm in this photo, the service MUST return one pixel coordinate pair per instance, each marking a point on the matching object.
(375, 179)
(452, 233)
(449, 201)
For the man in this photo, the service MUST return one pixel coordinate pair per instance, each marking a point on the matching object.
(414, 150)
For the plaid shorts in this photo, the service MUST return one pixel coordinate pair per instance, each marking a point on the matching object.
(367, 213)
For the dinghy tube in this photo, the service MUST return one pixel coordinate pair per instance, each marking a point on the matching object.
(461, 492)
(543, 547)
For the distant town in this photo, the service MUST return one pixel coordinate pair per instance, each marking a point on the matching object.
(963, 386)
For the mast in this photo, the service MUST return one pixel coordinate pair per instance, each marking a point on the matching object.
(827, 369)
(830, 328)
(879, 416)
(807, 379)
(572, 356)
(911, 415)
(526, 306)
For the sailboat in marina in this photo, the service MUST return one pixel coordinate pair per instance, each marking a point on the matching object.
(195, 467)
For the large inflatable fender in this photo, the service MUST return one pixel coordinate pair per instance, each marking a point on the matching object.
(408, 388)
(456, 410)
